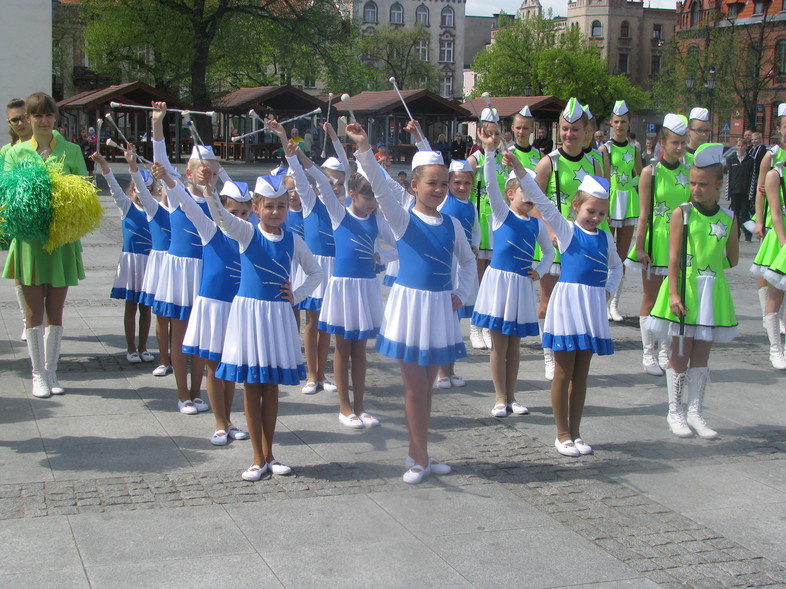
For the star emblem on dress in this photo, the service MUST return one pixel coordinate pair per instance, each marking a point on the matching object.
(627, 157)
(613, 170)
(689, 260)
(661, 208)
(707, 272)
(719, 230)
(681, 179)
(579, 175)
(623, 178)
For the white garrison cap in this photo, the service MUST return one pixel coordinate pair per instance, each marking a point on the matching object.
(708, 154)
(427, 158)
(596, 186)
(699, 114)
(147, 177)
(512, 174)
(620, 108)
(573, 111)
(489, 115)
(204, 152)
(270, 186)
(676, 123)
(460, 166)
(587, 110)
(525, 111)
(236, 191)
(333, 163)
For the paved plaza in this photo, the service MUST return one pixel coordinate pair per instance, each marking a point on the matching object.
(109, 486)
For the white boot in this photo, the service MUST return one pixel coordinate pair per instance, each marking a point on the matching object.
(613, 310)
(762, 292)
(35, 346)
(20, 299)
(675, 383)
(52, 337)
(486, 333)
(698, 379)
(664, 352)
(548, 356)
(649, 360)
(476, 338)
(776, 346)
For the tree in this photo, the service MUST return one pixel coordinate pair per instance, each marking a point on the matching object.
(532, 56)
(392, 51)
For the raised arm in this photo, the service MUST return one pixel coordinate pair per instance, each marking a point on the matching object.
(159, 144)
(204, 225)
(335, 208)
(233, 227)
(341, 153)
(118, 195)
(421, 142)
(499, 208)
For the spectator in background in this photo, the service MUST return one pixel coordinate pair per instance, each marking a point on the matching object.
(308, 142)
(599, 139)
(294, 136)
(748, 136)
(382, 156)
(740, 168)
(756, 152)
(543, 142)
(634, 142)
(648, 156)
(443, 147)
(458, 149)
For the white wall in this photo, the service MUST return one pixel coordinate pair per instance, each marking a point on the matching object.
(25, 51)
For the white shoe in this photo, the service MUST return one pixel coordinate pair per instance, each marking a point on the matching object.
(434, 466)
(235, 433)
(162, 370)
(277, 468)
(187, 407)
(254, 473)
(351, 421)
(457, 381)
(200, 405)
(476, 338)
(518, 408)
(443, 382)
(697, 423)
(416, 474)
(369, 421)
(653, 369)
(583, 447)
(328, 386)
(500, 410)
(310, 388)
(566, 448)
(219, 438)
(486, 337)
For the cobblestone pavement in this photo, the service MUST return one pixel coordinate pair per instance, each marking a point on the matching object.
(589, 496)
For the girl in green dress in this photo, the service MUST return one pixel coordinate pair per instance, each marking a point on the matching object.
(694, 303)
(44, 276)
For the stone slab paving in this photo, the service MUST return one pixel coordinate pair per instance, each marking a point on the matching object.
(108, 486)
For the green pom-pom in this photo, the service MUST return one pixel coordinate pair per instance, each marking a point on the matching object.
(25, 199)
(77, 210)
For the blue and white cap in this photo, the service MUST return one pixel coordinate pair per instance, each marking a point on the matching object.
(596, 186)
(708, 154)
(526, 112)
(677, 124)
(620, 108)
(204, 152)
(427, 158)
(460, 166)
(147, 177)
(489, 115)
(699, 114)
(573, 111)
(270, 186)
(236, 191)
(333, 163)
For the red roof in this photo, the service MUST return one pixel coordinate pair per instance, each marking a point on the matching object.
(284, 98)
(507, 106)
(382, 102)
(137, 93)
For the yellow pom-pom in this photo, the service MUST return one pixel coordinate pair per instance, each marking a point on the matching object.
(77, 210)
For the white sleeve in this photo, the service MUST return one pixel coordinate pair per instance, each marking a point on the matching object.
(423, 144)
(476, 231)
(386, 234)
(561, 227)
(499, 208)
(222, 173)
(544, 239)
(149, 203)
(233, 227)
(467, 266)
(335, 209)
(160, 156)
(307, 195)
(313, 271)
(615, 266)
(395, 213)
(203, 224)
(121, 198)
(341, 153)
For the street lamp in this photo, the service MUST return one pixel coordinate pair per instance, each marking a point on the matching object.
(689, 81)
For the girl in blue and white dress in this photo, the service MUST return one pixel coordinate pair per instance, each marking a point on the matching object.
(576, 325)
(262, 344)
(133, 261)
(420, 327)
(217, 287)
(506, 303)
(352, 303)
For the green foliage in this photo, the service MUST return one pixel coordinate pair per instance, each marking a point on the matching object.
(532, 54)
(392, 51)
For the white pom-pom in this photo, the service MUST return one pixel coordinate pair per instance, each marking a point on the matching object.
(345, 98)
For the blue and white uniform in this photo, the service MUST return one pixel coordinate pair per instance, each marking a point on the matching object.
(217, 286)
(506, 300)
(352, 303)
(464, 211)
(262, 343)
(160, 235)
(137, 241)
(420, 325)
(576, 316)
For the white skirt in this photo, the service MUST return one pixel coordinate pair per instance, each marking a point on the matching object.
(352, 307)
(178, 287)
(663, 329)
(506, 302)
(152, 273)
(206, 329)
(262, 344)
(313, 302)
(391, 273)
(129, 277)
(420, 326)
(576, 319)
(637, 267)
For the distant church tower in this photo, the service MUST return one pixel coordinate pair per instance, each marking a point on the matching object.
(529, 8)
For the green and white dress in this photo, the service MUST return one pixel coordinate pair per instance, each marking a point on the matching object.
(670, 188)
(775, 272)
(480, 198)
(770, 246)
(623, 195)
(711, 315)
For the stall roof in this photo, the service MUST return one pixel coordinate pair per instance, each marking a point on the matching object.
(268, 99)
(421, 102)
(137, 93)
(543, 107)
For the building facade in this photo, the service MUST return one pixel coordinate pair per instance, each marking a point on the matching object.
(444, 19)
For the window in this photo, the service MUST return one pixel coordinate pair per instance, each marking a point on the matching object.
(446, 51)
(780, 57)
(694, 15)
(657, 31)
(446, 90)
(732, 10)
(422, 50)
(421, 15)
(597, 29)
(655, 65)
(623, 63)
(310, 81)
(370, 12)
(625, 30)
(758, 7)
(447, 17)
(397, 14)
